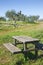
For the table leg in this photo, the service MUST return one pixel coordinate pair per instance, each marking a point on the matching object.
(24, 46)
(15, 42)
(36, 50)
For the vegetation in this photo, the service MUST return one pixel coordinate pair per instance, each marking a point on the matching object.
(18, 16)
(2, 19)
(12, 15)
(16, 23)
(27, 29)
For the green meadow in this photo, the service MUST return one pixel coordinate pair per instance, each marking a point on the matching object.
(34, 30)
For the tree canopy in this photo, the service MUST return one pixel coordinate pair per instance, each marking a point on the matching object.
(19, 16)
(2, 19)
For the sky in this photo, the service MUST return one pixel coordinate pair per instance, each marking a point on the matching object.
(28, 7)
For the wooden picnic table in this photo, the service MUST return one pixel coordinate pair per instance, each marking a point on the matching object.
(26, 40)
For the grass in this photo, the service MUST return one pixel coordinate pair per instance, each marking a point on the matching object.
(6, 33)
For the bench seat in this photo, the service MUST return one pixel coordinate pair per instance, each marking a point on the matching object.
(12, 48)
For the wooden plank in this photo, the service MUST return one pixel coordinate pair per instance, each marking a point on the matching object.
(25, 38)
(27, 50)
(12, 48)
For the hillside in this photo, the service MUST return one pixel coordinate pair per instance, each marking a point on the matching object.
(6, 33)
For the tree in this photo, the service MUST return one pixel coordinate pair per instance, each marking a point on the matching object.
(2, 19)
(11, 14)
(22, 17)
(19, 15)
(37, 17)
(33, 18)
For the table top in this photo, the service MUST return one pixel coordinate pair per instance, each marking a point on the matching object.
(25, 39)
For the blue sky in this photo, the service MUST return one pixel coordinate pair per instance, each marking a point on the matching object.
(28, 7)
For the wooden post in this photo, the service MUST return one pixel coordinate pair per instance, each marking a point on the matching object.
(15, 42)
(25, 52)
(36, 50)
(25, 46)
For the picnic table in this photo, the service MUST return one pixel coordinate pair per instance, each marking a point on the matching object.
(26, 40)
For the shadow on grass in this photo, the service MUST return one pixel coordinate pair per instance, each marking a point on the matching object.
(29, 56)
(19, 63)
(40, 56)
